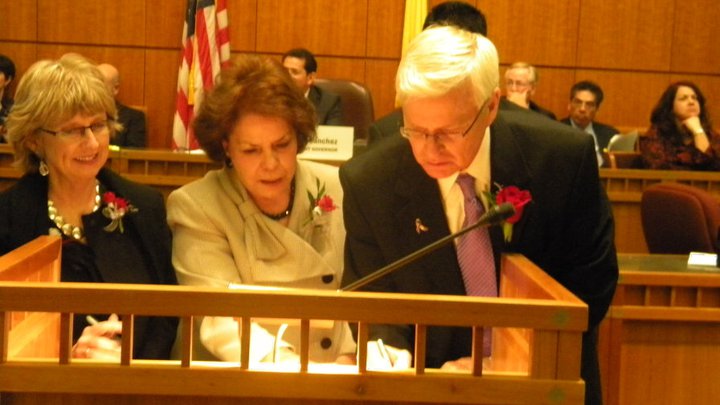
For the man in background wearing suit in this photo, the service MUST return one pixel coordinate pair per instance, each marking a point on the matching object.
(585, 100)
(132, 120)
(403, 195)
(521, 80)
(302, 66)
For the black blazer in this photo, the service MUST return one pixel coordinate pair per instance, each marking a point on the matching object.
(23, 217)
(328, 106)
(567, 230)
(133, 133)
(602, 132)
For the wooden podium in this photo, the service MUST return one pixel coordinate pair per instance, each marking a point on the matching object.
(537, 327)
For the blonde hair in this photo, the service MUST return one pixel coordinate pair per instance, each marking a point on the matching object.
(50, 93)
(443, 58)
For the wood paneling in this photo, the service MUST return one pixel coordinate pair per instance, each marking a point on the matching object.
(165, 20)
(242, 15)
(695, 45)
(541, 32)
(162, 68)
(633, 48)
(629, 96)
(628, 34)
(18, 20)
(380, 79)
(341, 68)
(327, 27)
(384, 36)
(100, 22)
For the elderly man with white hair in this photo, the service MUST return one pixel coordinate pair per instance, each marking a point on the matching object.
(456, 150)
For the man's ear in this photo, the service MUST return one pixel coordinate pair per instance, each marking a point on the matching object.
(311, 78)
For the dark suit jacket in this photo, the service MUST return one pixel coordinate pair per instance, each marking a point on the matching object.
(328, 106)
(23, 217)
(602, 132)
(133, 133)
(535, 107)
(567, 230)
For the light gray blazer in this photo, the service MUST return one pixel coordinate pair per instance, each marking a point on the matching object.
(221, 237)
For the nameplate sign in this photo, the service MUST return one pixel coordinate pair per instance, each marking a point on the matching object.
(333, 143)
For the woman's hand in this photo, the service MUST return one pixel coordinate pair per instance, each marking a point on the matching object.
(100, 341)
(700, 138)
(693, 124)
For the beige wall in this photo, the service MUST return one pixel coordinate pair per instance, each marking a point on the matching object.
(633, 48)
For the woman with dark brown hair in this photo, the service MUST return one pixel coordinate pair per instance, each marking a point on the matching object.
(265, 218)
(681, 136)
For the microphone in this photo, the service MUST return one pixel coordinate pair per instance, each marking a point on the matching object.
(493, 216)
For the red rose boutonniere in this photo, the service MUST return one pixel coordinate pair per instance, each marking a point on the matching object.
(115, 209)
(510, 194)
(320, 203)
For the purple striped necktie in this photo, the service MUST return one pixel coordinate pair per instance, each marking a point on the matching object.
(474, 251)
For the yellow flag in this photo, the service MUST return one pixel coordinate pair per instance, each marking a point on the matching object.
(415, 12)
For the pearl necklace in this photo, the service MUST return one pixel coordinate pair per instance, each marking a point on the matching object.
(70, 230)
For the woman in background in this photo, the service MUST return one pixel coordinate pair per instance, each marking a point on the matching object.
(113, 230)
(681, 136)
(265, 218)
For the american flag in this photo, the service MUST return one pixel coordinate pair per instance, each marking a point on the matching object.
(206, 48)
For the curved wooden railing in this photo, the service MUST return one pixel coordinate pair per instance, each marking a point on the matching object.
(537, 327)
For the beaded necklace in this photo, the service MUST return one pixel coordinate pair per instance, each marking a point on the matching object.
(70, 230)
(286, 213)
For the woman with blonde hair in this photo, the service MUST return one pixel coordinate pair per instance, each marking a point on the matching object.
(113, 230)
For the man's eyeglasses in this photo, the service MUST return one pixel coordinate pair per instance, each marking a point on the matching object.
(516, 84)
(441, 137)
(76, 134)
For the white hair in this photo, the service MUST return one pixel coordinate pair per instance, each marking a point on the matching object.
(443, 58)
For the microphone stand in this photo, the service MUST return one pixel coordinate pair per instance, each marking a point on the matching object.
(493, 216)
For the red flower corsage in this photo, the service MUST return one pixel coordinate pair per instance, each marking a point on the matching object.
(115, 209)
(510, 194)
(320, 203)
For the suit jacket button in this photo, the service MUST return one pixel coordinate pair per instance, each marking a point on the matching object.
(325, 343)
(328, 278)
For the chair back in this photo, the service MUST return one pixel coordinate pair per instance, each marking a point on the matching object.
(357, 105)
(623, 142)
(679, 219)
(622, 151)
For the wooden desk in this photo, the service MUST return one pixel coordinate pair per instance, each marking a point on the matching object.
(660, 343)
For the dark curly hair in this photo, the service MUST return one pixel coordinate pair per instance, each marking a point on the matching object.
(663, 115)
(254, 84)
